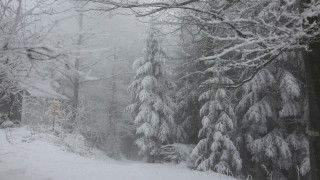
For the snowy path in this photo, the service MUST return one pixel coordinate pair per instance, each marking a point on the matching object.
(41, 160)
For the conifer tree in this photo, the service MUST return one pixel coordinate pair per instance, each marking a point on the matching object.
(268, 106)
(216, 150)
(152, 107)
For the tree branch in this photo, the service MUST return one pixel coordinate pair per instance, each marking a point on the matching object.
(104, 78)
(256, 71)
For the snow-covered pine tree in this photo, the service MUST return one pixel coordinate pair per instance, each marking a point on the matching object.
(152, 107)
(216, 150)
(294, 114)
(263, 138)
(269, 102)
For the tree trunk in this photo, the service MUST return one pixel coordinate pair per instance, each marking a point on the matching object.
(76, 82)
(75, 100)
(312, 64)
(112, 108)
(112, 111)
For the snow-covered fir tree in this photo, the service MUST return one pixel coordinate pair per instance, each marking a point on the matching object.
(152, 107)
(294, 114)
(275, 144)
(216, 150)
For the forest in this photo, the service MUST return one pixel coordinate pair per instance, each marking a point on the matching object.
(229, 87)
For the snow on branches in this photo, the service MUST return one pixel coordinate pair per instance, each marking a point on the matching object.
(216, 150)
(246, 33)
(266, 113)
(21, 45)
(152, 108)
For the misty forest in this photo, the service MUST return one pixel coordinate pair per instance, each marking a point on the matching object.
(159, 89)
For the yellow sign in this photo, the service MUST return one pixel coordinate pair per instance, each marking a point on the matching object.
(55, 104)
(55, 113)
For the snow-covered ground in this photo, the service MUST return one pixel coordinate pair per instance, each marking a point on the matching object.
(28, 156)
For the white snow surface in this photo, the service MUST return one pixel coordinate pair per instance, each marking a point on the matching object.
(25, 155)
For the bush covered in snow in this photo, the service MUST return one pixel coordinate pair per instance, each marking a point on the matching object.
(175, 152)
(75, 143)
(7, 123)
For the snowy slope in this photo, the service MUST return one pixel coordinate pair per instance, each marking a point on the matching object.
(32, 157)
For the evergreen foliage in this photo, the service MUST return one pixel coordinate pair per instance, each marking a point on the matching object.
(152, 108)
(216, 149)
(267, 114)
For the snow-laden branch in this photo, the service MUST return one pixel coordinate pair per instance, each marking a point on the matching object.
(21, 45)
(248, 30)
(94, 63)
(13, 30)
(93, 79)
(240, 83)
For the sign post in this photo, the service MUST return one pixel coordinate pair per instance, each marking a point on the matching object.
(55, 105)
